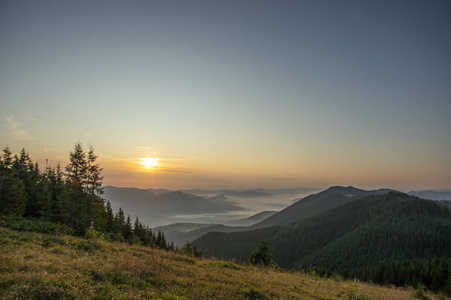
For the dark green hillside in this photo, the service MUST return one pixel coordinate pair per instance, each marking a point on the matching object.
(354, 238)
(182, 237)
(316, 204)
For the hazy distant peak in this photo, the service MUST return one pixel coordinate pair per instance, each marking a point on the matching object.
(174, 193)
(433, 195)
(350, 190)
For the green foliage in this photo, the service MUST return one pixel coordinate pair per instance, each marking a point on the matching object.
(387, 239)
(67, 203)
(321, 272)
(251, 294)
(93, 234)
(22, 224)
(188, 250)
(419, 292)
(14, 198)
(261, 255)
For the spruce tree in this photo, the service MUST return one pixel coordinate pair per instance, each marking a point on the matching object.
(261, 255)
(127, 230)
(5, 167)
(76, 176)
(14, 197)
(94, 204)
(109, 216)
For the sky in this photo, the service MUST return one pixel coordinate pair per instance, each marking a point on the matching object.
(233, 94)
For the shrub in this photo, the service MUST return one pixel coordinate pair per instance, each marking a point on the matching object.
(419, 292)
(22, 224)
(261, 255)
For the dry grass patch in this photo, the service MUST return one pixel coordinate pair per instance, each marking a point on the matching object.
(42, 266)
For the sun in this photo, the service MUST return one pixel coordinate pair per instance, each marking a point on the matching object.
(149, 162)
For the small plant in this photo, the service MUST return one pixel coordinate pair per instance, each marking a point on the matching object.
(419, 292)
(190, 251)
(92, 234)
(312, 271)
(251, 294)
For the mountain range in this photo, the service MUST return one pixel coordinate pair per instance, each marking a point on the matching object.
(180, 233)
(300, 210)
(387, 237)
(163, 205)
(251, 193)
(156, 206)
(433, 195)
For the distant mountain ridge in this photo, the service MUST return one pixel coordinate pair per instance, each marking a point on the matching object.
(174, 202)
(433, 195)
(151, 205)
(180, 233)
(250, 193)
(307, 207)
(156, 207)
(249, 221)
(315, 204)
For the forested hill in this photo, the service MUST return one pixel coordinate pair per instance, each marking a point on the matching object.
(392, 238)
(315, 204)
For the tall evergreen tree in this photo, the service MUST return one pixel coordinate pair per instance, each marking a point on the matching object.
(14, 197)
(94, 204)
(109, 216)
(5, 166)
(76, 175)
(127, 230)
(55, 182)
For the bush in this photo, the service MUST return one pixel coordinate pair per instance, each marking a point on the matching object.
(261, 255)
(22, 224)
(419, 292)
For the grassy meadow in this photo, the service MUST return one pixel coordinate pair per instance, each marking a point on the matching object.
(57, 266)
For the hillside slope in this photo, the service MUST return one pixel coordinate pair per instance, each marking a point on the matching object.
(353, 239)
(180, 233)
(316, 204)
(42, 266)
(307, 207)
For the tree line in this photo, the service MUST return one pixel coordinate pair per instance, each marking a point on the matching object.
(71, 197)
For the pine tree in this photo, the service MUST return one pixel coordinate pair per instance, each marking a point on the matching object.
(161, 241)
(261, 255)
(187, 249)
(109, 216)
(5, 167)
(56, 183)
(76, 175)
(119, 223)
(94, 204)
(14, 197)
(127, 230)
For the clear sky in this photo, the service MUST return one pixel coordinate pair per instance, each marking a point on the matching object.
(233, 94)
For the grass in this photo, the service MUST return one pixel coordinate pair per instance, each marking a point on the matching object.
(56, 266)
